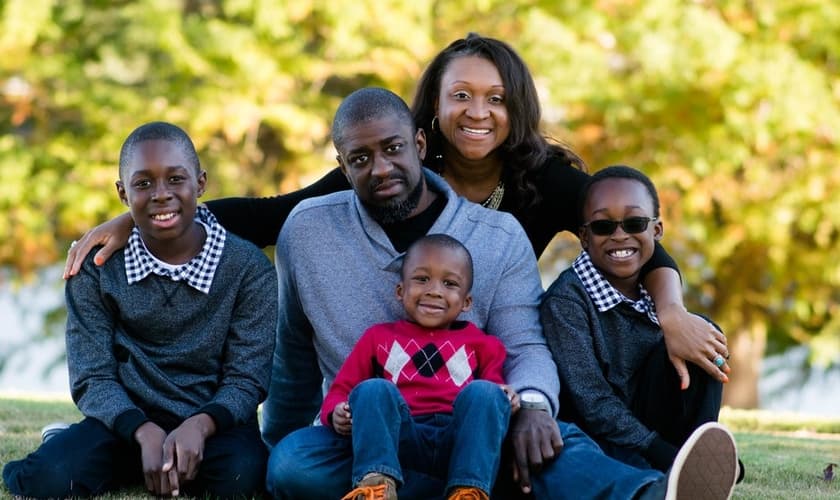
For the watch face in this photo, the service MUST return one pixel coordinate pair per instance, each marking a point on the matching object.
(530, 397)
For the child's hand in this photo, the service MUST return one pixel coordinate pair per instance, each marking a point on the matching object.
(150, 437)
(512, 396)
(183, 450)
(341, 420)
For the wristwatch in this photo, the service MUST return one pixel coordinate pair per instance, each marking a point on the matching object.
(532, 400)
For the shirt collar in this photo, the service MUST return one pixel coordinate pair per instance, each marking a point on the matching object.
(198, 272)
(605, 295)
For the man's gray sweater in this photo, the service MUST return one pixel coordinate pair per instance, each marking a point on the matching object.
(338, 273)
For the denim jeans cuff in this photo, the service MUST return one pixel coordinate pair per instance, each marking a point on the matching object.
(454, 482)
(395, 474)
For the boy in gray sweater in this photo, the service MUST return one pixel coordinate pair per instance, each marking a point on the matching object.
(601, 326)
(168, 346)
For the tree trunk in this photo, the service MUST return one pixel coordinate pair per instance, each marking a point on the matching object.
(746, 349)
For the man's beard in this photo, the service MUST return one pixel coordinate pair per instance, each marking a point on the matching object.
(396, 211)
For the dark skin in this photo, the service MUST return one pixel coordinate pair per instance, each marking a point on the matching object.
(160, 187)
(377, 150)
(171, 460)
(438, 275)
(536, 440)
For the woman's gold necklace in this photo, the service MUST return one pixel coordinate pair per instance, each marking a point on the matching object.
(495, 199)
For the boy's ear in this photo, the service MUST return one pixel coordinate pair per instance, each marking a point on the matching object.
(121, 192)
(583, 234)
(399, 292)
(658, 230)
(467, 303)
(202, 183)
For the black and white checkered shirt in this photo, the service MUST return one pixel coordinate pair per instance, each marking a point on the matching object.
(604, 295)
(198, 272)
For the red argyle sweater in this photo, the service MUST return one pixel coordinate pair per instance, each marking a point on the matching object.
(429, 367)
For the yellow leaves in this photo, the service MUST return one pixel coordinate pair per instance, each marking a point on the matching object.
(116, 67)
(20, 25)
(825, 346)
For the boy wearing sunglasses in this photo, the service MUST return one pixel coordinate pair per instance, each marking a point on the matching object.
(617, 382)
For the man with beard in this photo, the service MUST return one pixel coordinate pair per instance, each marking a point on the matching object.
(338, 260)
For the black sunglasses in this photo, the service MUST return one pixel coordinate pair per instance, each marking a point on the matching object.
(630, 225)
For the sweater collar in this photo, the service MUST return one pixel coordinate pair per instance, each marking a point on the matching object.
(604, 295)
(198, 272)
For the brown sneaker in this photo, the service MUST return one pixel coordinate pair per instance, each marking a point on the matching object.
(706, 466)
(374, 487)
(468, 493)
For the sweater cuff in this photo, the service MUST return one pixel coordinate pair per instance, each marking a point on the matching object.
(221, 416)
(127, 422)
(660, 454)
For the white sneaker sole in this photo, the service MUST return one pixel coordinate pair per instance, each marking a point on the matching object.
(706, 466)
(50, 430)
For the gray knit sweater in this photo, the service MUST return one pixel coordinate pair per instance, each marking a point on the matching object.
(598, 355)
(163, 351)
(338, 274)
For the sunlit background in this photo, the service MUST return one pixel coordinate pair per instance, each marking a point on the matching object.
(732, 107)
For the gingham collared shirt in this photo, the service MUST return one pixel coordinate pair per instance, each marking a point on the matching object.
(604, 295)
(198, 272)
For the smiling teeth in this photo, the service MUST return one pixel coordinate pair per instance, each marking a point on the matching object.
(163, 216)
(482, 131)
(622, 253)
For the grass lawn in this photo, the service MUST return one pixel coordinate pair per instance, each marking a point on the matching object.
(784, 454)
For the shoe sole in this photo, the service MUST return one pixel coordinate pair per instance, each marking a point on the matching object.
(50, 430)
(706, 466)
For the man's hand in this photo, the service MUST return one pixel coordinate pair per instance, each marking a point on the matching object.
(113, 234)
(183, 450)
(150, 437)
(536, 439)
(689, 337)
(342, 420)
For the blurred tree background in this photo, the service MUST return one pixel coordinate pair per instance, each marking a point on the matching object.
(732, 107)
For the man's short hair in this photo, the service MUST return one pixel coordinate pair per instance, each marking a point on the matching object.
(158, 131)
(367, 104)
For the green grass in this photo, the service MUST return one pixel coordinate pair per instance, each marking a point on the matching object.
(784, 454)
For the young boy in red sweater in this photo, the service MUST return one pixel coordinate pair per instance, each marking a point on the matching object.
(407, 389)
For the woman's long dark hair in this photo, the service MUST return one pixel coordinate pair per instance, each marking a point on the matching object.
(525, 150)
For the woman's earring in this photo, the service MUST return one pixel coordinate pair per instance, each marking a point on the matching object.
(434, 122)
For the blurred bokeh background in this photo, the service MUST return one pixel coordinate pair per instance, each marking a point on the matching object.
(731, 106)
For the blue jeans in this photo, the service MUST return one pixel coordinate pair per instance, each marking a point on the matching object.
(315, 462)
(463, 447)
(582, 470)
(426, 455)
(88, 459)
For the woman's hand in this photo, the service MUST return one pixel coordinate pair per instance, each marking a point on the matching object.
(113, 234)
(689, 337)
